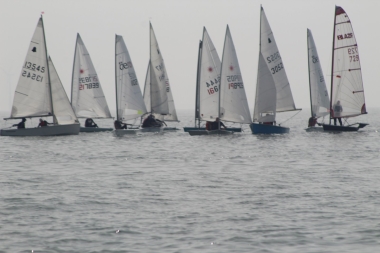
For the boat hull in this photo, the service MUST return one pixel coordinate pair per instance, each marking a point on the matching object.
(211, 132)
(120, 132)
(268, 129)
(94, 129)
(72, 129)
(314, 129)
(335, 128)
(170, 129)
(231, 129)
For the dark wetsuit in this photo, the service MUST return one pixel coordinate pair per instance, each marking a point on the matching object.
(20, 125)
(119, 125)
(151, 122)
(90, 123)
(43, 123)
(215, 125)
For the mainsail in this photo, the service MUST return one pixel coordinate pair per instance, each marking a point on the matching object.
(233, 100)
(346, 75)
(32, 96)
(319, 98)
(158, 96)
(209, 79)
(273, 92)
(129, 100)
(87, 97)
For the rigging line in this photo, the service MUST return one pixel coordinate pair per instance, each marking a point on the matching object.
(289, 118)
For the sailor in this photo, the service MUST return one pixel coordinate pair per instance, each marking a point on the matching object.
(312, 121)
(119, 125)
(215, 124)
(150, 121)
(21, 124)
(338, 109)
(90, 123)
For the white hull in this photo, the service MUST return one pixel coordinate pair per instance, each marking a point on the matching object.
(72, 129)
(119, 132)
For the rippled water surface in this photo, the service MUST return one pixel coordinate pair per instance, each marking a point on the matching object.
(95, 192)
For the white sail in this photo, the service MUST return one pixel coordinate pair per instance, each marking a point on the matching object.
(272, 57)
(265, 102)
(346, 80)
(209, 79)
(146, 94)
(87, 97)
(129, 99)
(63, 112)
(233, 100)
(158, 94)
(319, 98)
(32, 95)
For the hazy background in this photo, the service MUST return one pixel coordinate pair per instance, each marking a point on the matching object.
(178, 26)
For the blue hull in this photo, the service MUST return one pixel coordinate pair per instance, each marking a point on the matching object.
(268, 129)
(232, 129)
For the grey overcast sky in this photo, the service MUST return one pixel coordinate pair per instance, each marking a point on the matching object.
(178, 27)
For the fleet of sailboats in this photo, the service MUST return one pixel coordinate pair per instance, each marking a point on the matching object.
(347, 92)
(87, 97)
(40, 93)
(220, 90)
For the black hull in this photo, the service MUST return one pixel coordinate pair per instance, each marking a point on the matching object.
(350, 128)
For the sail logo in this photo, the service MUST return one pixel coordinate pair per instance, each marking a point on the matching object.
(345, 36)
(315, 59)
(123, 65)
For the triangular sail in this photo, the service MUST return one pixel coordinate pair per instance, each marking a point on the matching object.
(209, 79)
(147, 88)
(158, 93)
(129, 99)
(272, 57)
(346, 80)
(87, 97)
(319, 98)
(63, 111)
(233, 100)
(32, 95)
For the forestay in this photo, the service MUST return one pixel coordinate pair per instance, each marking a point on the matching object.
(129, 99)
(233, 100)
(63, 111)
(346, 76)
(209, 79)
(32, 95)
(158, 95)
(319, 98)
(272, 57)
(87, 97)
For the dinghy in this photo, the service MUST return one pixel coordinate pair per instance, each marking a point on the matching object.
(129, 100)
(347, 92)
(319, 98)
(40, 93)
(158, 77)
(230, 100)
(273, 92)
(87, 97)
(208, 74)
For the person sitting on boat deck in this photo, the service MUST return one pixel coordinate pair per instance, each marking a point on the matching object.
(312, 121)
(150, 121)
(43, 123)
(119, 125)
(338, 109)
(215, 124)
(268, 122)
(21, 124)
(90, 123)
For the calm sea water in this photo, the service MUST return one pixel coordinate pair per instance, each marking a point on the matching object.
(299, 192)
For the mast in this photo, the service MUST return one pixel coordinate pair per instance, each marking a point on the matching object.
(72, 77)
(221, 68)
(332, 66)
(308, 66)
(117, 108)
(197, 86)
(47, 61)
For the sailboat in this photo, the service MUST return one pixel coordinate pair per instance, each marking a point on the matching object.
(347, 92)
(40, 93)
(87, 97)
(319, 98)
(208, 77)
(232, 104)
(129, 100)
(273, 92)
(158, 95)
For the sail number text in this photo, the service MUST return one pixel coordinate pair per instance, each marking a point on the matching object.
(353, 54)
(212, 89)
(33, 67)
(27, 74)
(236, 82)
(88, 82)
(277, 68)
(345, 36)
(125, 65)
(273, 57)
